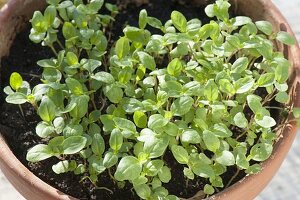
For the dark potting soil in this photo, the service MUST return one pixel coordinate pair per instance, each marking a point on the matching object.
(19, 131)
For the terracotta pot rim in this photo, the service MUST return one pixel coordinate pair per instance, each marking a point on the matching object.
(8, 159)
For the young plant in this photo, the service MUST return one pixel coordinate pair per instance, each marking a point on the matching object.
(203, 92)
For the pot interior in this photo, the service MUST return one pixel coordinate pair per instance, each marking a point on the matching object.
(13, 20)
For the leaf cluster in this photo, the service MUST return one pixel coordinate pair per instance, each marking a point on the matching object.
(200, 91)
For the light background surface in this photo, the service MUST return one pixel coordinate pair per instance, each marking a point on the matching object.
(286, 184)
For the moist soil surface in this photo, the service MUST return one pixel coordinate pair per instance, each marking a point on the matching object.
(19, 130)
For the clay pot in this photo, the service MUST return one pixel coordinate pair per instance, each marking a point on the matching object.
(16, 12)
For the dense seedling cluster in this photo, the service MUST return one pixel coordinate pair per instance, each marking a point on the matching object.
(200, 91)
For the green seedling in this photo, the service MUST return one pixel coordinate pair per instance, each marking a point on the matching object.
(209, 106)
